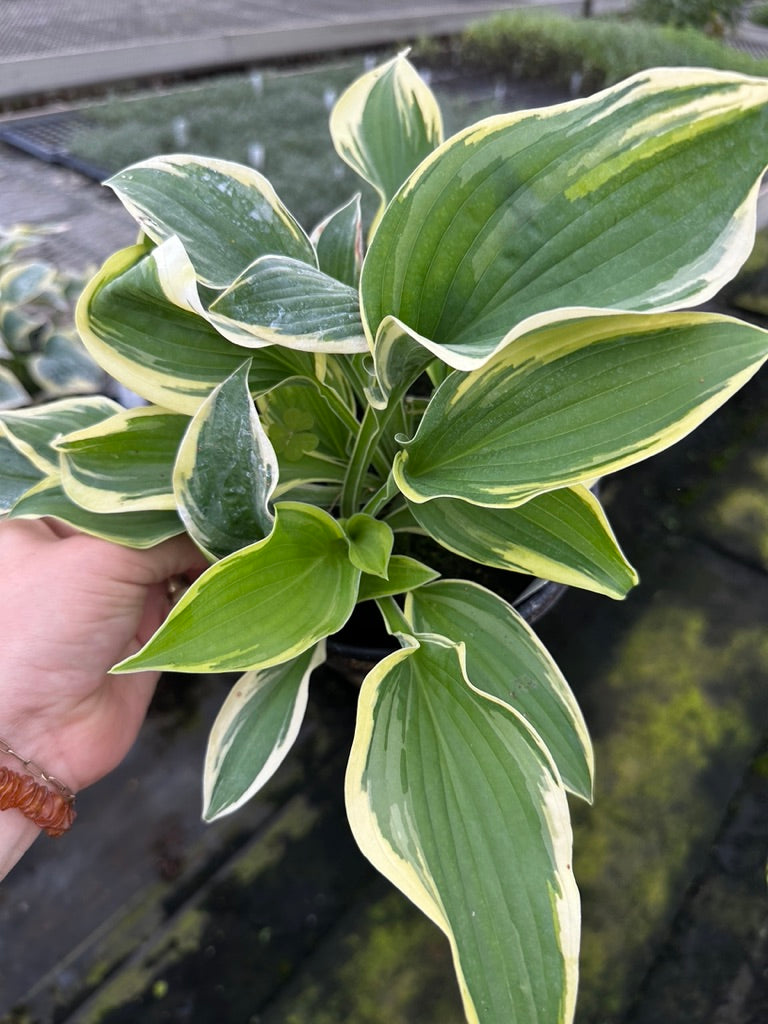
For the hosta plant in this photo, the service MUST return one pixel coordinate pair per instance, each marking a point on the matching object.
(513, 328)
(41, 356)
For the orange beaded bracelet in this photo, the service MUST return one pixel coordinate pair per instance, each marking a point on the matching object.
(52, 809)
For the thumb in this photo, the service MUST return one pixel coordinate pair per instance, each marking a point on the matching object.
(178, 556)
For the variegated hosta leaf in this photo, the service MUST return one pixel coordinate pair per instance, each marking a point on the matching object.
(629, 199)
(398, 359)
(13, 394)
(338, 373)
(226, 471)
(142, 320)
(303, 416)
(64, 368)
(573, 401)
(262, 605)
(505, 659)
(256, 727)
(25, 282)
(403, 574)
(313, 479)
(370, 544)
(17, 327)
(311, 429)
(453, 798)
(282, 301)
(338, 241)
(17, 474)
(34, 430)
(132, 529)
(226, 214)
(125, 463)
(385, 123)
(560, 535)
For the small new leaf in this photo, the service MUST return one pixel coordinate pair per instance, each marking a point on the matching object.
(403, 574)
(370, 544)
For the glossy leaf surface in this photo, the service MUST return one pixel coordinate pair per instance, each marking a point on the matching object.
(254, 730)
(226, 214)
(560, 535)
(226, 471)
(574, 401)
(398, 361)
(282, 301)
(505, 659)
(385, 123)
(142, 319)
(262, 605)
(124, 463)
(452, 798)
(584, 204)
(338, 240)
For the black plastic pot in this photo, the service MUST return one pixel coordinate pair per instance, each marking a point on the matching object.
(534, 602)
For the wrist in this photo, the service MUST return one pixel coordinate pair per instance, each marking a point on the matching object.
(35, 748)
(31, 798)
(17, 834)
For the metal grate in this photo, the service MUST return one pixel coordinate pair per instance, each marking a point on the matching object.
(756, 49)
(47, 137)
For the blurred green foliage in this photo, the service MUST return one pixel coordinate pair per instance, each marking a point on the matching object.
(581, 54)
(714, 16)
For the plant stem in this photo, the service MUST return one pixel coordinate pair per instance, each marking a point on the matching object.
(359, 378)
(342, 411)
(393, 616)
(382, 497)
(375, 422)
(401, 519)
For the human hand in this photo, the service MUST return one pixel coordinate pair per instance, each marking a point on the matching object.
(71, 606)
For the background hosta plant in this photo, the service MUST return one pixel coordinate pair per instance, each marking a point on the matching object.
(514, 329)
(41, 356)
